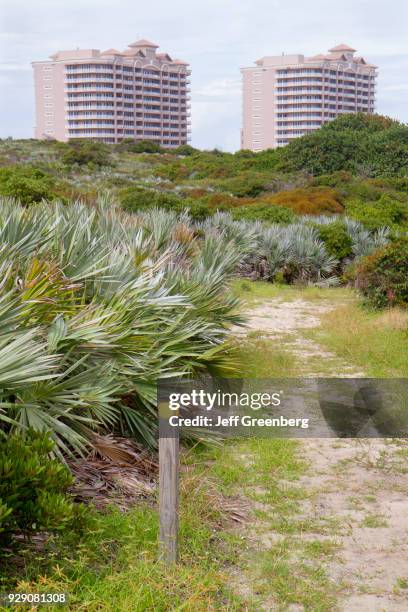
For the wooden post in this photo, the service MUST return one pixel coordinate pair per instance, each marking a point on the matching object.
(168, 497)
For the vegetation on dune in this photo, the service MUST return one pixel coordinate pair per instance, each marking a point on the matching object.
(101, 297)
(371, 144)
(383, 276)
(355, 165)
(33, 488)
(95, 306)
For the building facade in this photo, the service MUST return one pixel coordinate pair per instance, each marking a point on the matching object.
(109, 96)
(287, 96)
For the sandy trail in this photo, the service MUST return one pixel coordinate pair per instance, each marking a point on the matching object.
(361, 485)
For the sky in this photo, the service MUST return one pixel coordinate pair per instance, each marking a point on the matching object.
(216, 37)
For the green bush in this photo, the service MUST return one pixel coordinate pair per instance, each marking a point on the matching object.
(185, 150)
(383, 276)
(385, 211)
(25, 183)
(264, 212)
(371, 145)
(336, 239)
(85, 152)
(33, 487)
(139, 146)
(243, 186)
(138, 198)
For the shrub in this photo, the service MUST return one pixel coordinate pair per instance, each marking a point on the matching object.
(336, 179)
(336, 239)
(85, 152)
(385, 211)
(322, 152)
(25, 183)
(139, 146)
(33, 487)
(139, 198)
(185, 150)
(359, 143)
(244, 186)
(224, 201)
(311, 201)
(264, 212)
(383, 276)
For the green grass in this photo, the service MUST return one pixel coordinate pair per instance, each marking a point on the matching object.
(263, 358)
(112, 564)
(295, 582)
(374, 521)
(251, 292)
(375, 341)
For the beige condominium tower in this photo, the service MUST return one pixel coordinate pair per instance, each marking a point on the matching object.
(287, 96)
(137, 93)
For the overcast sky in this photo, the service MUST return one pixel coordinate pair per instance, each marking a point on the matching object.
(216, 37)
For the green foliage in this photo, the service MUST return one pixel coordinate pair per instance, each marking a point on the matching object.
(135, 199)
(95, 306)
(371, 144)
(383, 276)
(361, 123)
(25, 183)
(245, 186)
(33, 487)
(139, 146)
(264, 212)
(139, 198)
(336, 239)
(384, 211)
(85, 152)
(185, 150)
(322, 152)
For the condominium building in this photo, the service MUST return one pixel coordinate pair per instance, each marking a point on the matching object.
(287, 96)
(111, 95)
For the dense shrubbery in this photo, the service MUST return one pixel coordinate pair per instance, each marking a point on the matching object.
(373, 145)
(185, 150)
(383, 276)
(25, 183)
(85, 152)
(33, 487)
(336, 239)
(384, 211)
(139, 146)
(95, 306)
(243, 187)
(135, 199)
(264, 212)
(312, 201)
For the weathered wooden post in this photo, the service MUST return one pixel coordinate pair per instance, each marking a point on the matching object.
(168, 485)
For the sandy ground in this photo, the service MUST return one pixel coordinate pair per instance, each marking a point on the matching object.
(361, 484)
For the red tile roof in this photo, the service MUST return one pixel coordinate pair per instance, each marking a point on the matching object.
(341, 47)
(143, 43)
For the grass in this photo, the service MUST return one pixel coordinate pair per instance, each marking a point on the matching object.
(291, 571)
(112, 564)
(375, 341)
(251, 292)
(374, 521)
(295, 582)
(276, 361)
